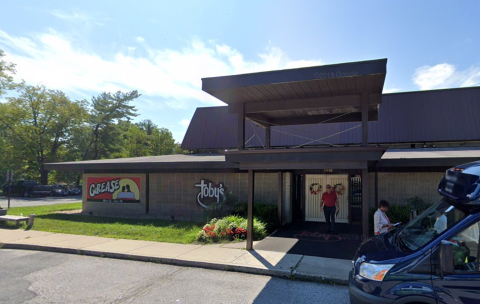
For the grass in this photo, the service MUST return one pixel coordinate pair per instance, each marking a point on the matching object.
(46, 219)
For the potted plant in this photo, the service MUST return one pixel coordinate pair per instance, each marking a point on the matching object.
(3, 211)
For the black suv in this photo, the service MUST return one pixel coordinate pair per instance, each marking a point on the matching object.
(20, 187)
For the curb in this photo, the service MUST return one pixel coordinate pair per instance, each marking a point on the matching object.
(292, 274)
(159, 260)
(320, 279)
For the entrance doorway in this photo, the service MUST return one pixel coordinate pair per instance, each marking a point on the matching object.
(314, 188)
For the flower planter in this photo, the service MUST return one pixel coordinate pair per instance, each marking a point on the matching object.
(3, 211)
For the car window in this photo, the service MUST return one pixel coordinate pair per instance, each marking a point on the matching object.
(465, 249)
(430, 224)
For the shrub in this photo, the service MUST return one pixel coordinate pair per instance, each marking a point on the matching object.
(222, 208)
(267, 213)
(230, 228)
(417, 203)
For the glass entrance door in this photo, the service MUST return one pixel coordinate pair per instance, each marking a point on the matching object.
(314, 188)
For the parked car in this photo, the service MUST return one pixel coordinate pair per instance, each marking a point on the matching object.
(434, 259)
(75, 191)
(59, 191)
(5, 188)
(42, 190)
(20, 187)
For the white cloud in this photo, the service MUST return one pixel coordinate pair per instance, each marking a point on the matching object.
(54, 59)
(77, 17)
(166, 78)
(445, 75)
(390, 90)
(185, 122)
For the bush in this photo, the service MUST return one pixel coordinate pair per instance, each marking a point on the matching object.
(223, 208)
(267, 213)
(230, 228)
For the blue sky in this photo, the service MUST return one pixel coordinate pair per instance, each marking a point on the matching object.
(164, 48)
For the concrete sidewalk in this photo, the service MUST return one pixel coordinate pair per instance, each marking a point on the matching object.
(230, 256)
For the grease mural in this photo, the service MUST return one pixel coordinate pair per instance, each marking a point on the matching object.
(113, 189)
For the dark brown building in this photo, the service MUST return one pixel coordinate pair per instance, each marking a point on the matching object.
(286, 134)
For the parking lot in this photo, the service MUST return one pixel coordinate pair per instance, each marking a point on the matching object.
(16, 201)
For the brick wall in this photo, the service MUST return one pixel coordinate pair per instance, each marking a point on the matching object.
(395, 187)
(175, 194)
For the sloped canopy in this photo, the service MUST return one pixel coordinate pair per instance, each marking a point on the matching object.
(309, 95)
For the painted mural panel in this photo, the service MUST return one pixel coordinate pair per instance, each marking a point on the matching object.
(114, 189)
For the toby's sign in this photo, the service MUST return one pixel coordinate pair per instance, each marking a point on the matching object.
(210, 193)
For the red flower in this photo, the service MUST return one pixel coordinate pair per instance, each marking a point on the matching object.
(207, 229)
(240, 231)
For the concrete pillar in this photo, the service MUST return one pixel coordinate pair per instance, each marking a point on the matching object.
(251, 197)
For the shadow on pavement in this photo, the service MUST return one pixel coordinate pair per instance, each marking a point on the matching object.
(312, 239)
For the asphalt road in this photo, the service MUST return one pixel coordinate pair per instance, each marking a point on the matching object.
(17, 201)
(43, 277)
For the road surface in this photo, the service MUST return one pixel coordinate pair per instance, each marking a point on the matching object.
(43, 277)
(16, 201)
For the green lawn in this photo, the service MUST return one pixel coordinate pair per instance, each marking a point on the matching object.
(135, 229)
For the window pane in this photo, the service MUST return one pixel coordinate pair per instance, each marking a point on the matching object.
(465, 248)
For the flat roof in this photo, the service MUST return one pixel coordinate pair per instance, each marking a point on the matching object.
(180, 161)
(431, 153)
(426, 157)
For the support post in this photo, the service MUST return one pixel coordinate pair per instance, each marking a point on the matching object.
(241, 127)
(365, 203)
(9, 190)
(280, 197)
(267, 137)
(251, 196)
(147, 193)
(365, 119)
(376, 188)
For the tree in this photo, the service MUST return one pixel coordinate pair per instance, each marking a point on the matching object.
(38, 123)
(136, 142)
(145, 138)
(7, 155)
(7, 70)
(162, 142)
(108, 110)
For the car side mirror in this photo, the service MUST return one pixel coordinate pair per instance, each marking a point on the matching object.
(446, 258)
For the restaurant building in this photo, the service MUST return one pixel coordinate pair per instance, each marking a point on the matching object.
(286, 134)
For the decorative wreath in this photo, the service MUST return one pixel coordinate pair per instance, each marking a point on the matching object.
(340, 189)
(315, 188)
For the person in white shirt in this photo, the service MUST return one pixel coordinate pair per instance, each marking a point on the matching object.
(441, 222)
(380, 219)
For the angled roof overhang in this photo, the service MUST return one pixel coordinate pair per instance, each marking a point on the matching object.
(309, 95)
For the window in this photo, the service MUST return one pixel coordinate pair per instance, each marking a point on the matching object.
(465, 249)
(430, 224)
